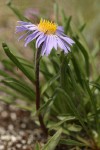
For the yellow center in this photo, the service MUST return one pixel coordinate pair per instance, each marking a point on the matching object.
(47, 27)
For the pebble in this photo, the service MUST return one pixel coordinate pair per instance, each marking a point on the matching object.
(1, 109)
(22, 133)
(4, 114)
(13, 116)
(18, 145)
(23, 125)
(15, 131)
(5, 137)
(24, 147)
(13, 138)
(23, 141)
(2, 130)
(30, 139)
(10, 127)
(1, 147)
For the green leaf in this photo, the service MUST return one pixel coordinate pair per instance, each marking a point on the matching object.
(45, 105)
(4, 74)
(61, 122)
(49, 83)
(16, 11)
(37, 146)
(25, 62)
(53, 141)
(16, 62)
(67, 24)
(74, 109)
(78, 70)
(56, 12)
(96, 85)
(74, 128)
(82, 27)
(85, 54)
(71, 142)
(20, 87)
(63, 72)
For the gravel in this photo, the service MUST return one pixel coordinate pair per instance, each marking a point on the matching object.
(17, 129)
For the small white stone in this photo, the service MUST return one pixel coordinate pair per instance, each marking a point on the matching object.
(9, 144)
(30, 140)
(4, 114)
(24, 147)
(22, 133)
(23, 125)
(18, 145)
(1, 109)
(13, 148)
(10, 127)
(13, 138)
(5, 137)
(23, 141)
(1, 147)
(13, 116)
(19, 138)
(9, 149)
(2, 130)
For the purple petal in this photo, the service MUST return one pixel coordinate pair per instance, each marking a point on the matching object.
(30, 27)
(66, 44)
(60, 31)
(32, 37)
(50, 45)
(21, 37)
(40, 40)
(47, 45)
(60, 28)
(20, 29)
(55, 42)
(68, 40)
(44, 47)
(26, 26)
(61, 45)
(24, 23)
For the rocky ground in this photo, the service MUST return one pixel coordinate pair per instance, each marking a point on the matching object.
(17, 129)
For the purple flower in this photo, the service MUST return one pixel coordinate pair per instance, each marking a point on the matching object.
(47, 34)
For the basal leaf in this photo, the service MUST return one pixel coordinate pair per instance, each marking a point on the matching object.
(17, 62)
(53, 141)
(71, 142)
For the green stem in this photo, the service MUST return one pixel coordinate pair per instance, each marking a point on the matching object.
(38, 91)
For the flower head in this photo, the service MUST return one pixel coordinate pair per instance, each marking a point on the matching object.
(48, 35)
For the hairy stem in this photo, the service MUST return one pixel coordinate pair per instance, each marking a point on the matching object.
(38, 91)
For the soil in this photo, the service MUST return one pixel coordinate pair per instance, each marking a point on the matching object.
(18, 130)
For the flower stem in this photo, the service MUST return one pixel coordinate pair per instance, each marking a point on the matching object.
(37, 62)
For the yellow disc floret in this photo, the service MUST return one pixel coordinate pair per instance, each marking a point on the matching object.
(47, 27)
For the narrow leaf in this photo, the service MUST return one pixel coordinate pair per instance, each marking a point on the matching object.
(71, 142)
(16, 62)
(52, 143)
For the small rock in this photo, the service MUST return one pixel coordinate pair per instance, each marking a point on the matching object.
(10, 127)
(18, 145)
(4, 114)
(1, 147)
(13, 116)
(24, 147)
(23, 141)
(5, 137)
(13, 138)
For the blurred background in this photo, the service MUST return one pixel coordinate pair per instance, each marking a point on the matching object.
(87, 11)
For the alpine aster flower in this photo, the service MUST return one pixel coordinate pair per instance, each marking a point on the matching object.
(48, 35)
